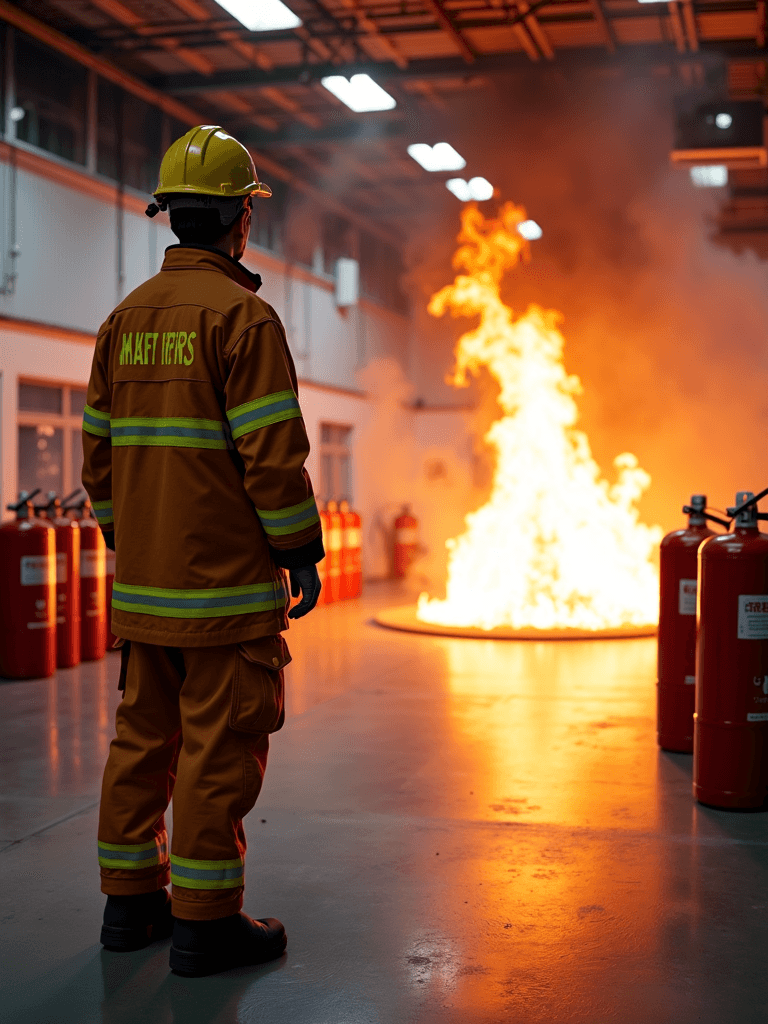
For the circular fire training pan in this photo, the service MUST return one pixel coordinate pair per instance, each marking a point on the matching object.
(404, 618)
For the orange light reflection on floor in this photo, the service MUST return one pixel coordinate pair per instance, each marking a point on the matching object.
(546, 742)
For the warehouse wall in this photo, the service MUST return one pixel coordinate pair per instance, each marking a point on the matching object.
(75, 242)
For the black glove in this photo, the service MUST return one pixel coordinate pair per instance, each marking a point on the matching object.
(307, 582)
(109, 538)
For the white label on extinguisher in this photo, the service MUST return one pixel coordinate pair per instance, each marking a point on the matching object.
(61, 567)
(110, 562)
(37, 570)
(753, 617)
(407, 535)
(92, 564)
(690, 680)
(686, 600)
(353, 537)
(760, 716)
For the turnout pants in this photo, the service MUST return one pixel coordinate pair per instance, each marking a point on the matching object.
(194, 725)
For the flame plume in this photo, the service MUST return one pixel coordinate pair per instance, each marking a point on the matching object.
(555, 546)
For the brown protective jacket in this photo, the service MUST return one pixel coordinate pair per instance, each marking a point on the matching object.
(194, 451)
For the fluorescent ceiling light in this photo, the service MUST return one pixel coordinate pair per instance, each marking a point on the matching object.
(710, 176)
(478, 189)
(460, 189)
(261, 15)
(360, 93)
(530, 230)
(441, 157)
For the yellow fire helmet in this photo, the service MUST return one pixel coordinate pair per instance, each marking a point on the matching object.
(208, 161)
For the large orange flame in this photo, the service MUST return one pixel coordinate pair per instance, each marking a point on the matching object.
(555, 546)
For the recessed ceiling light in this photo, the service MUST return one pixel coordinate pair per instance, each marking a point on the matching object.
(440, 157)
(460, 189)
(530, 230)
(261, 15)
(723, 120)
(710, 176)
(360, 93)
(478, 189)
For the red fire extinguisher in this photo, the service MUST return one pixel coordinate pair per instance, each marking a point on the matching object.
(676, 678)
(333, 550)
(93, 585)
(351, 552)
(322, 566)
(27, 594)
(406, 541)
(730, 733)
(67, 532)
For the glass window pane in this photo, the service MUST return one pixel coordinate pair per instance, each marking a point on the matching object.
(344, 483)
(326, 477)
(39, 398)
(51, 90)
(76, 447)
(40, 458)
(109, 98)
(129, 139)
(77, 398)
(141, 130)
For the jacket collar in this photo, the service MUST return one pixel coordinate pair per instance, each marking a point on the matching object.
(208, 257)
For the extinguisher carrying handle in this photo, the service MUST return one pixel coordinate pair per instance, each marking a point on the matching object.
(688, 510)
(78, 505)
(23, 501)
(69, 497)
(733, 512)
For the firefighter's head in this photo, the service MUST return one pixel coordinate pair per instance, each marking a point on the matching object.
(207, 181)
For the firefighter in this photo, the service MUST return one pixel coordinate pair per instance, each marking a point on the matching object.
(194, 461)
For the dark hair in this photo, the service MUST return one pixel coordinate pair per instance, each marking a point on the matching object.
(201, 226)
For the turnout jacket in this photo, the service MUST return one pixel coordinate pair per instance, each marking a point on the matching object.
(194, 450)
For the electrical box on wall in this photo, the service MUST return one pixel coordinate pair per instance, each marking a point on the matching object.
(347, 282)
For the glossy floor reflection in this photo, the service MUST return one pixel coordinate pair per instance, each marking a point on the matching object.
(456, 831)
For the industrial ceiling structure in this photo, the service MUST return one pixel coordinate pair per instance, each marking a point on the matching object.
(267, 85)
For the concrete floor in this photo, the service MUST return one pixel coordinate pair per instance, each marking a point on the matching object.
(456, 831)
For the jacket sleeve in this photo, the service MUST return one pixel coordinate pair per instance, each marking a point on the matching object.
(97, 443)
(268, 430)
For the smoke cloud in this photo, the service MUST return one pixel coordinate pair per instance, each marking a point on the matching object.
(665, 327)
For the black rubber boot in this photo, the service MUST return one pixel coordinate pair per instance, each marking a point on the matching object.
(132, 922)
(209, 947)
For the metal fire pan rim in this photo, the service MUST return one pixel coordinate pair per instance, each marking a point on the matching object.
(403, 618)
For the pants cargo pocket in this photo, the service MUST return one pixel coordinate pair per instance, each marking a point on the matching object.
(258, 692)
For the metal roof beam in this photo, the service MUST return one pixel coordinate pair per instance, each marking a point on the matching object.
(632, 58)
(338, 132)
(448, 26)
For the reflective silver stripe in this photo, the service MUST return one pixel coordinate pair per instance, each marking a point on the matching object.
(207, 874)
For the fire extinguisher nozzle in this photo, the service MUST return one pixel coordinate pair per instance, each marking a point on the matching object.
(69, 497)
(24, 497)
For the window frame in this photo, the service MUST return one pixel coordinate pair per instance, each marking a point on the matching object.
(335, 450)
(65, 421)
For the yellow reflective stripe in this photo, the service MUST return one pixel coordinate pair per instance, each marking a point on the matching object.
(134, 856)
(262, 412)
(95, 422)
(289, 520)
(207, 874)
(206, 865)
